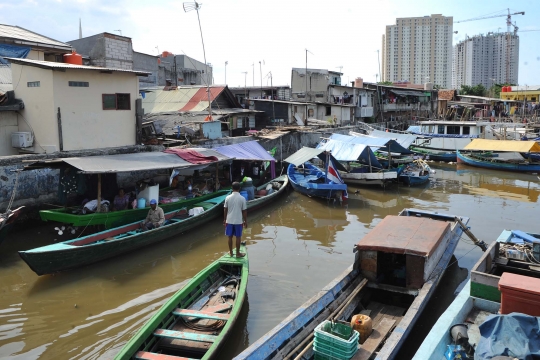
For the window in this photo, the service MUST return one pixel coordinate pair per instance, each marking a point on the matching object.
(440, 129)
(79, 83)
(310, 113)
(33, 84)
(116, 101)
(452, 130)
(466, 130)
(328, 111)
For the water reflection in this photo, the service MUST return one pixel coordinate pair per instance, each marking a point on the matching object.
(296, 246)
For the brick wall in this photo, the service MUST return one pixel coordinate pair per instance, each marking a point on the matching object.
(118, 52)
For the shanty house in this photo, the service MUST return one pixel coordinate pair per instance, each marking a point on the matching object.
(74, 107)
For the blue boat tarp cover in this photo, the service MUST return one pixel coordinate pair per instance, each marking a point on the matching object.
(350, 152)
(12, 51)
(249, 150)
(373, 142)
(515, 335)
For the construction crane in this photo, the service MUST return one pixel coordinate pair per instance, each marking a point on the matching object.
(508, 24)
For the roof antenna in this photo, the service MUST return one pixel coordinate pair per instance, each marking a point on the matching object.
(80, 29)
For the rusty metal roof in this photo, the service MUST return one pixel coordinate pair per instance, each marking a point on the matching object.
(64, 66)
(405, 235)
(21, 36)
(193, 98)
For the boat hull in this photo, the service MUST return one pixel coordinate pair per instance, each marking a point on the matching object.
(63, 256)
(317, 189)
(376, 178)
(7, 224)
(142, 341)
(464, 158)
(115, 218)
(282, 339)
(414, 180)
(436, 155)
(261, 202)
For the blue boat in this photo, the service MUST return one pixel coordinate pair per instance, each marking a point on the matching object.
(497, 155)
(310, 180)
(415, 174)
(397, 268)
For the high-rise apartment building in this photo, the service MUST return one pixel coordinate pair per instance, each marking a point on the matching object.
(419, 50)
(482, 59)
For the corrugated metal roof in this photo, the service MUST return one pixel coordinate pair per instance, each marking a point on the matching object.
(22, 36)
(303, 155)
(55, 65)
(182, 99)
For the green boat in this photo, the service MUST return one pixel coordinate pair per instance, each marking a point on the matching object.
(196, 320)
(115, 218)
(106, 244)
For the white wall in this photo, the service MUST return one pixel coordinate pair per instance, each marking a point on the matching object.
(8, 125)
(85, 125)
(38, 114)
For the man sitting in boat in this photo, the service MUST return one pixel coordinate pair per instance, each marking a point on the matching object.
(155, 217)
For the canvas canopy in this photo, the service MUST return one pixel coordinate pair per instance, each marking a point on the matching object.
(404, 140)
(127, 162)
(303, 155)
(350, 152)
(373, 142)
(250, 151)
(503, 145)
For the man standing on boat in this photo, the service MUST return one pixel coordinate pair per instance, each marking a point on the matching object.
(235, 217)
(155, 217)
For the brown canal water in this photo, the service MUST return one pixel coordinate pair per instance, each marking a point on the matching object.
(296, 246)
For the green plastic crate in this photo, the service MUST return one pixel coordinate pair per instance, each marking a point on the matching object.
(335, 352)
(335, 340)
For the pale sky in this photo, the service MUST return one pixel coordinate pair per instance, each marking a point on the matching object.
(338, 33)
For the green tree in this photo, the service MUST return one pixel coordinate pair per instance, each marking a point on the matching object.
(477, 90)
(385, 83)
(495, 90)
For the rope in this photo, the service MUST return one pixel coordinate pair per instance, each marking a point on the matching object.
(8, 209)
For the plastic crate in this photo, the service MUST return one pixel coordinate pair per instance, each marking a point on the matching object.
(334, 352)
(338, 341)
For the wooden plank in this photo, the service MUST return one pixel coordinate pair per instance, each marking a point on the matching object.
(218, 308)
(145, 355)
(183, 335)
(201, 314)
(375, 339)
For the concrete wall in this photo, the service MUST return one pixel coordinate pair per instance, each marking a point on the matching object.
(106, 50)
(38, 114)
(85, 125)
(145, 62)
(317, 84)
(36, 55)
(8, 125)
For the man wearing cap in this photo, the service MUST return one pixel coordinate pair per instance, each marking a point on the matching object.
(235, 217)
(155, 217)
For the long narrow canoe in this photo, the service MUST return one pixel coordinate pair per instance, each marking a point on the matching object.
(196, 320)
(106, 244)
(492, 162)
(115, 218)
(397, 268)
(261, 201)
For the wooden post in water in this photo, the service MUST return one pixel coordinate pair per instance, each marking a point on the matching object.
(98, 209)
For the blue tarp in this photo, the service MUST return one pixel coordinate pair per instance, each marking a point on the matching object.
(350, 152)
(515, 335)
(383, 144)
(249, 150)
(13, 51)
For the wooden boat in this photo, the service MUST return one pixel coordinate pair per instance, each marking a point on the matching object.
(310, 180)
(436, 155)
(359, 177)
(7, 220)
(489, 161)
(261, 201)
(397, 267)
(465, 309)
(415, 174)
(196, 320)
(106, 244)
(114, 218)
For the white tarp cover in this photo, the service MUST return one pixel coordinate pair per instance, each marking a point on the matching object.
(350, 152)
(404, 140)
(303, 155)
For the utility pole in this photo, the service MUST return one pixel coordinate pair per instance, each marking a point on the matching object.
(226, 62)
(253, 70)
(379, 60)
(260, 70)
(306, 115)
(245, 87)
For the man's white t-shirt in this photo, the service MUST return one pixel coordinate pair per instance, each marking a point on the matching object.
(235, 203)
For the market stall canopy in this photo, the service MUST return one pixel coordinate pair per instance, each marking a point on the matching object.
(404, 140)
(303, 155)
(126, 162)
(350, 152)
(503, 145)
(249, 150)
(373, 142)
